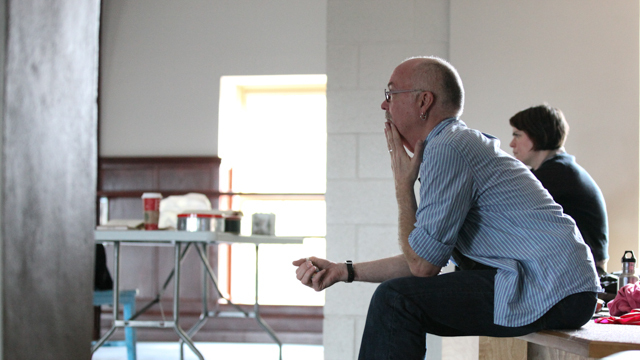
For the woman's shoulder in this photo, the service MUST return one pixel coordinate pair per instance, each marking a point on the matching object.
(563, 170)
(559, 162)
(561, 167)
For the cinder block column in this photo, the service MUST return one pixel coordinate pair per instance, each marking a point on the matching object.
(365, 41)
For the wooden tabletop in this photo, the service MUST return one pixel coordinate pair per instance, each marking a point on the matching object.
(592, 340)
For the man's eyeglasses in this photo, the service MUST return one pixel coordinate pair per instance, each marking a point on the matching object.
(388, 93)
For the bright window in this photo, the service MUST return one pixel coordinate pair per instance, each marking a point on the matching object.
(272, 142)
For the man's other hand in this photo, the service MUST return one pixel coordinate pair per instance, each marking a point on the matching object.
(318, 273)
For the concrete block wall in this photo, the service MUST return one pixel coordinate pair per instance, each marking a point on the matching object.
(366, 40)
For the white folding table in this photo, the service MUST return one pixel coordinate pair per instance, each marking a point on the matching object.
(200, 240)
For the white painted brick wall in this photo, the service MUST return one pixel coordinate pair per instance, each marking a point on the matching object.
(378, 60)
(339, 342)
(349, 299)
(355, 111)
(342, 156)
(343, 241)
(373, 157)
(376, 242)
(366, 40)
(343, 60)
(361, 202)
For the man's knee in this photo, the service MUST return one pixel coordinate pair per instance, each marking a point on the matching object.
(383, 294)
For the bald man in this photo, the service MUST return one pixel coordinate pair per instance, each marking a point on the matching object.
(525, 266)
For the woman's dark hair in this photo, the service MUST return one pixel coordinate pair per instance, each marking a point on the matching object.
(545, 126)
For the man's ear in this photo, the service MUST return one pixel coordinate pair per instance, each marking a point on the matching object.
(427, 99)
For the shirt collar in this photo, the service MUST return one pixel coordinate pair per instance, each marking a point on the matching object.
(438, 129)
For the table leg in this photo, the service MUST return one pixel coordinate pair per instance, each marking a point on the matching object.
(205, 298)
(205, 305)
(116, 296)
(176, 304)
(256, 308)
(207, 270)
(214, 280)
(164, 287)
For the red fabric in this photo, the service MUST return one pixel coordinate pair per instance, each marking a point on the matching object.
(631, 318)
(627, 299)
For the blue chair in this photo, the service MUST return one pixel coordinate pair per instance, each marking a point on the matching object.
(128, 301)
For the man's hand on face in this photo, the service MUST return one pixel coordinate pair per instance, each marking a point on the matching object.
(405, 168)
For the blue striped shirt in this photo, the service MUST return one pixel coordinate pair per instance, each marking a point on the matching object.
(488, 205)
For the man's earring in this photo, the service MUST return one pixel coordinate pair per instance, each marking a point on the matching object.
(423, 116)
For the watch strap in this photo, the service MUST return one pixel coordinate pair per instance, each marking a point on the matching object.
(350, 273)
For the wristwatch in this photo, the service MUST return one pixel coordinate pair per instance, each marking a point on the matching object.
(350, 272)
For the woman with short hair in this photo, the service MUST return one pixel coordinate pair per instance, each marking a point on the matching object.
(539, 134)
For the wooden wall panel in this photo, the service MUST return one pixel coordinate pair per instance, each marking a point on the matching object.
(125, 208)
(127, 179)
(158, 173)
(123, 180)
(187, 177)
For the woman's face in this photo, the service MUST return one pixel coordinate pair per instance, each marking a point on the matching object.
(522, 146)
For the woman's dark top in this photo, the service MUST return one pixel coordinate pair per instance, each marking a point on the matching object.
(573, 188)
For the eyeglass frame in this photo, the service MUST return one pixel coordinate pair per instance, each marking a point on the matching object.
(388, 93)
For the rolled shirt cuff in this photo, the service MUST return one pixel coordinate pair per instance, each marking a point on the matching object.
(430, 249)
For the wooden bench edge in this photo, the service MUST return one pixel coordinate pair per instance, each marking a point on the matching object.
(583, 347)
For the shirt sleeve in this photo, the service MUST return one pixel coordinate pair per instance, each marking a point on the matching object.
(446, 195)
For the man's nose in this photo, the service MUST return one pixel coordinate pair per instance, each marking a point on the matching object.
(384, 105)
(512, 143)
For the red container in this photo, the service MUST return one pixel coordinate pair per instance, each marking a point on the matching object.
(151, 206)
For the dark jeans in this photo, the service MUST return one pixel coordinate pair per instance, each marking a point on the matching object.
(404, 310)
